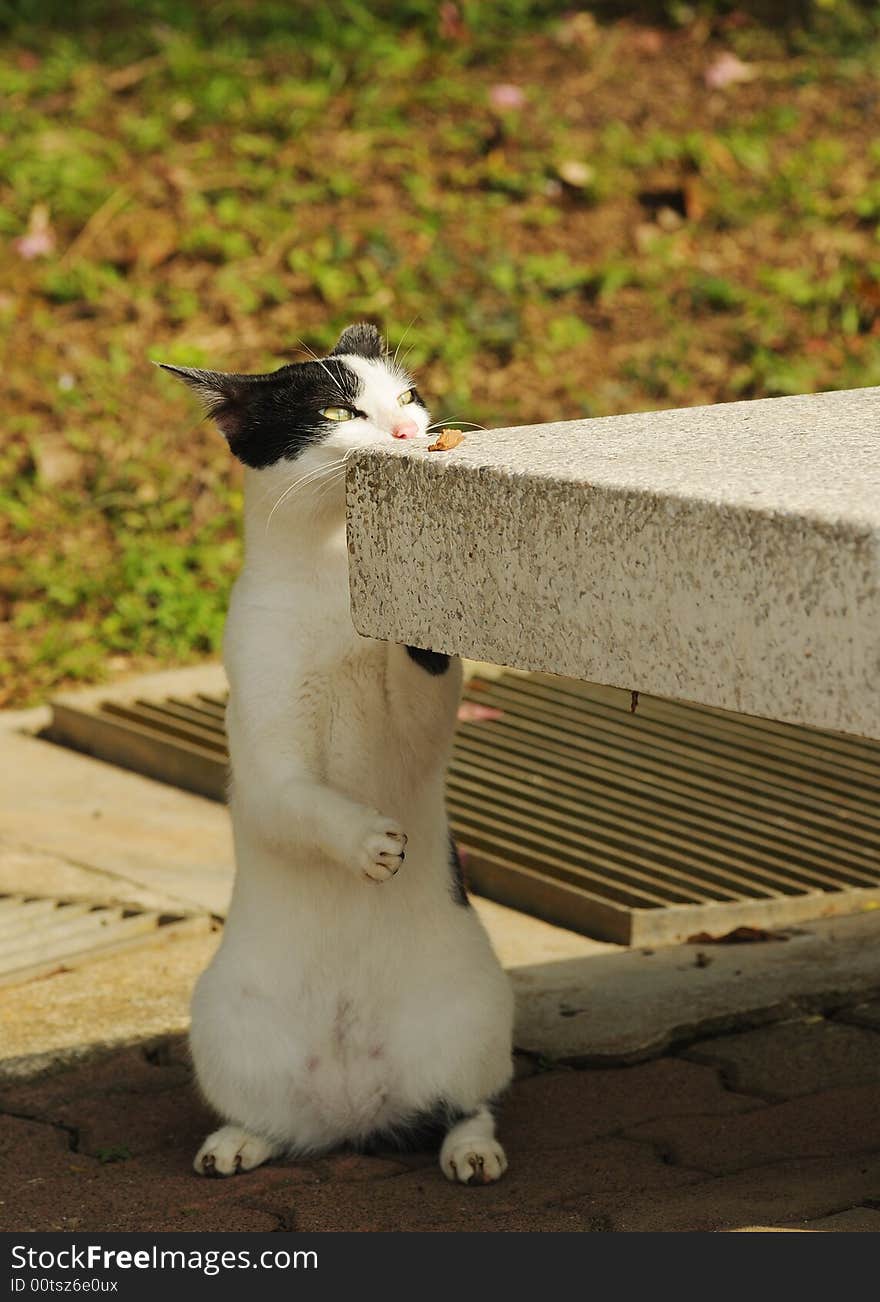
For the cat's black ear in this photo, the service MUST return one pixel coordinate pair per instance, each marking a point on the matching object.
(361, 340)
(225, 397)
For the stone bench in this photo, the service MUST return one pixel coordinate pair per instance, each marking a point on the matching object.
(726, 555)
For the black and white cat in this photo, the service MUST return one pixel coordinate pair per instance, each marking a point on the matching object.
(355, 993)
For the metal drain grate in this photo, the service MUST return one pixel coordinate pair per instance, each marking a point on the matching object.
(639, 828)
(39, 936)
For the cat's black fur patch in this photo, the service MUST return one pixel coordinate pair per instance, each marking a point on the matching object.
(434, 662)
(459, 889)
(420, 1133)
(423, 1132)
(269, 417)
(361, 340)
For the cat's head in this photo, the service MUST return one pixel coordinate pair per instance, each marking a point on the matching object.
(356, 397)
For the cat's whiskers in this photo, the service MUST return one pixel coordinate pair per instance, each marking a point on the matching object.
(332, 479)
(401, 339)
(315, 358)
(439, 424)
(326, 487)
(320, 472)
(316, 471)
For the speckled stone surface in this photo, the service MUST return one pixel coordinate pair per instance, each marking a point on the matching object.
(728, 555)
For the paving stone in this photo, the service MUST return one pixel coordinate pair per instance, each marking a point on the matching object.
(119, 1105)
(632, 1005)
(792, 1058)
(122, 998)
(149, 840)
(866, 1013)
(781, 1193)
(145, 1109)
(572, 1191)
(23, 1141)
(858, 1219)
(554, 1109)
(817, 1125)
(359, 1166)
(562, 1177)
(156, 1191)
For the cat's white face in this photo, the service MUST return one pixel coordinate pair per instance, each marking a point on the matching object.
(374, 404)
(387, 406)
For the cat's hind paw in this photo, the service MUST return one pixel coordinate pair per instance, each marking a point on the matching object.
(473, 1161)
(230, 1150)
(383, 850)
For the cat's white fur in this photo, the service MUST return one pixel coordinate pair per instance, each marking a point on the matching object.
(346, 995)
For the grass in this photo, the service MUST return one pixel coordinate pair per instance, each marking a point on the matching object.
(227, 184)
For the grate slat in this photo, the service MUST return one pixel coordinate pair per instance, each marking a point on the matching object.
(734, 819)
(744, 872)
(640, 828)
(614, 852)
(798, 759)
(21, 918)
(40, 935)
(663, 748)
(818, 817)
(168, 721)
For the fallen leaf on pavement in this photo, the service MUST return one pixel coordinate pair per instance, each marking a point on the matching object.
(739, 936)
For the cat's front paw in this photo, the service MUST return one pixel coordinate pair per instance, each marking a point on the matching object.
(383, 849)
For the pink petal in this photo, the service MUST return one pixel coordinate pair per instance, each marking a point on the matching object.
(470, 712)
(506, 96)
(36, 245)
(726, 70)
(39, 238)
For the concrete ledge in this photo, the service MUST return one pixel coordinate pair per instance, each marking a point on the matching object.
(627, 1005)
(725, 555)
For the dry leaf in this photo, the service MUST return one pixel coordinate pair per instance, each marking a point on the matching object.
(447, 439)
(56, 463)
(576, 174)
(646, 40)
(739, 936)
(694, 199)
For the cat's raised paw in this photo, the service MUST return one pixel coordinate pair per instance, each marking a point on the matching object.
(474, 1161)
(384, 850)
(230, 1150)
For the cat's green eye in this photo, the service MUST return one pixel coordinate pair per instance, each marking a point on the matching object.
(406, 398)
(337, 413)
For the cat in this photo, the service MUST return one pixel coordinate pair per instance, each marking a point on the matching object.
(355, 997)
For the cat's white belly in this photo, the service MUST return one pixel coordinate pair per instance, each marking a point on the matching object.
(319, 1034)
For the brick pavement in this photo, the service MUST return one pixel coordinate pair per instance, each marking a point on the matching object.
(773, 1128)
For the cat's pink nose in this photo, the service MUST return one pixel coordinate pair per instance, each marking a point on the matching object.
(405, 429)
